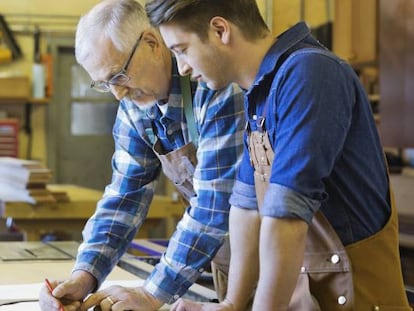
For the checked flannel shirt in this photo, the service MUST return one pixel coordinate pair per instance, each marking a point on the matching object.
(123, 208)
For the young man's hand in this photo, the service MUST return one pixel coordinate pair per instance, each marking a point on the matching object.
(187, 305)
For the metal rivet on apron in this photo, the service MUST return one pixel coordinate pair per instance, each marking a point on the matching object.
(175, 196)
(176, 297)
(341, 300)
(335, 259)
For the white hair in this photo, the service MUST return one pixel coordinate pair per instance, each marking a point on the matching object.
(121, 21)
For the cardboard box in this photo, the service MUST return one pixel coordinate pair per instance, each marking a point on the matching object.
(15, 87)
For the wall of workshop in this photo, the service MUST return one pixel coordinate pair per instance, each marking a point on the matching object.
(24, 66)
(280, 14)
(287, 13)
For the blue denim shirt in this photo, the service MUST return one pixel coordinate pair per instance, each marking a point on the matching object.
(328, 154)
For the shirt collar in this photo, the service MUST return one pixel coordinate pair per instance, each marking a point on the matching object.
(284, 42)
(174, 98)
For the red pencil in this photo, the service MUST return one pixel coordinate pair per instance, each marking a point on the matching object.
(49, 286)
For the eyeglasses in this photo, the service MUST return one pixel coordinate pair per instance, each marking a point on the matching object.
(121, 78)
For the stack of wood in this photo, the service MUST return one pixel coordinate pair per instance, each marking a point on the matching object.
(26, 181)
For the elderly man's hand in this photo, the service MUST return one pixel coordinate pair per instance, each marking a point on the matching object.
(69, 293)
(119, 298)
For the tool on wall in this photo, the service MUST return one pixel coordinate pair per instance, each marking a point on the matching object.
(5, 52)
(42, 68)
(38, 74)
(36, 41)
(9, 48)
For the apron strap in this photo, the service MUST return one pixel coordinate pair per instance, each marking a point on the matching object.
(188, 109)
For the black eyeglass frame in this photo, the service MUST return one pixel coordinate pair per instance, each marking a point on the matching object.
(121, 78)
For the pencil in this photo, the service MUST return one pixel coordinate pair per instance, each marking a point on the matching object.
(50, 288)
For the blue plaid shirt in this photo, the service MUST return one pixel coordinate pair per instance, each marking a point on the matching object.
(124, 205)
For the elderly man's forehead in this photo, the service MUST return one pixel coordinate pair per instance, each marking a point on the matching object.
(103, 59)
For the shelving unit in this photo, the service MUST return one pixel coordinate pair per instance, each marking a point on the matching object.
(27, 104)
(9, 137)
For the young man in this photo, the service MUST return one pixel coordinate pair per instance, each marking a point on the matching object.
(312, 223)
(124, 55)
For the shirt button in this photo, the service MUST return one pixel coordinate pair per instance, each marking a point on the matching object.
(341, 300)
(169, 132)
(176, 297)
(303, 269)
(201, 270)
(376, 308)
(335, 259)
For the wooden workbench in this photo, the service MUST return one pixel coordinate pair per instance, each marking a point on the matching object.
(21, 272)
(70, 217)
(26, 278)
(21, 281)
(22, 276)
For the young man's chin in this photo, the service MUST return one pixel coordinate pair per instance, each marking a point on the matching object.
(213, 85)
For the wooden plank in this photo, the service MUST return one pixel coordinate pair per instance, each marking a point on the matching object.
(82, 205)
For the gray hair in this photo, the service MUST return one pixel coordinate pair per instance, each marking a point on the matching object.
(121, 21)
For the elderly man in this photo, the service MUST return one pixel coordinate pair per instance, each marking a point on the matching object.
(124, 55)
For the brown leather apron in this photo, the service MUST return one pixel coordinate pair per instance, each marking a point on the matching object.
(365, 275)
(179, 165)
